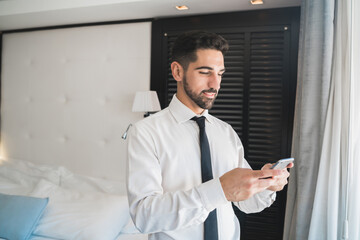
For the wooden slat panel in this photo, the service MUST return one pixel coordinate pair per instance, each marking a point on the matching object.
(265, 116)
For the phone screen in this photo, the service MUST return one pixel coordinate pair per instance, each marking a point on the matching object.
(282, 163)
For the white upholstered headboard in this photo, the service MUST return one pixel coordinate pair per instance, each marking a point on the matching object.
(66, 95)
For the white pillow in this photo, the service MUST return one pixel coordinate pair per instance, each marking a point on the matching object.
(20, 177)
(74, 215)
(91, 184)
(36, 171)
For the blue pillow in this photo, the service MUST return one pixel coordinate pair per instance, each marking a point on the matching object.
(19, 215)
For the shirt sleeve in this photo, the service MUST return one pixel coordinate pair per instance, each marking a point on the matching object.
(154, 210)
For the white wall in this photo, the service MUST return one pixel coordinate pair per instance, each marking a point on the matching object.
(67, 95)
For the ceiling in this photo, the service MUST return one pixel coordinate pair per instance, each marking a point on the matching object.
(22, 14)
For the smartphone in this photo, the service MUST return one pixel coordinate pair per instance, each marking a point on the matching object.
(282, 163)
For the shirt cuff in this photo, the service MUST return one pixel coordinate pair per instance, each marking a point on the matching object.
(268, 194)
(212, 194)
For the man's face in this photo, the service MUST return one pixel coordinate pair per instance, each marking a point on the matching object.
(201, 81)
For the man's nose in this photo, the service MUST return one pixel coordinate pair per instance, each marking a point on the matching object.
(214, 81)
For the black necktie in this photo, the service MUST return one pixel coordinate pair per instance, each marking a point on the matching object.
(210, 225)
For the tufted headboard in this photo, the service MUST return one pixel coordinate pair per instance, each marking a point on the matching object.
(66, 95)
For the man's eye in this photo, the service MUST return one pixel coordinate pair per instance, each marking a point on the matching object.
(206, 73)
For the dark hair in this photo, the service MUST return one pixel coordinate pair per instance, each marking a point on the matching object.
(186, 45)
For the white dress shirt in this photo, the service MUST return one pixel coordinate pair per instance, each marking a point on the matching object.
(166, 196)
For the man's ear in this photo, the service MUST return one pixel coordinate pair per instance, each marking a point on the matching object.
(177, 71)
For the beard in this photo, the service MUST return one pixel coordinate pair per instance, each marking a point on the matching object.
(201, 100)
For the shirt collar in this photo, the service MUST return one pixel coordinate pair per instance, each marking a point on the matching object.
(182, 113)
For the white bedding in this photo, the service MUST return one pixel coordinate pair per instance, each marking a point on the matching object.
(79, 207)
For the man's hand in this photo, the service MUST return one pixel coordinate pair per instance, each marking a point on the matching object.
(280, 180)
(241, 183)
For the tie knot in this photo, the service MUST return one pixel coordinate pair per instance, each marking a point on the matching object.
(200, 121)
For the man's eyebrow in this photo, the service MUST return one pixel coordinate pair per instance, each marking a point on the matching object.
(204, 67)
(208, 68)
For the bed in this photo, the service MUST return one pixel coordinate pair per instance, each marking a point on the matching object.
(65, 102)
(70, 206)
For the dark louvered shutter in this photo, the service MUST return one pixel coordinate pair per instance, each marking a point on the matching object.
(267, 77)
(266, 110)
(251, 100)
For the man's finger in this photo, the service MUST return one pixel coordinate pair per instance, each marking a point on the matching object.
(264, 183)
(267, 166)
(290, 165)
(266, 173)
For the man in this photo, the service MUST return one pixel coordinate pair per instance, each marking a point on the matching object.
(168, 195)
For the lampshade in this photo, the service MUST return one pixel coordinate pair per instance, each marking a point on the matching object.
(146, 102)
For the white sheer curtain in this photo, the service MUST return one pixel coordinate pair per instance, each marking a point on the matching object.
(335, 213)
(354, 183)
